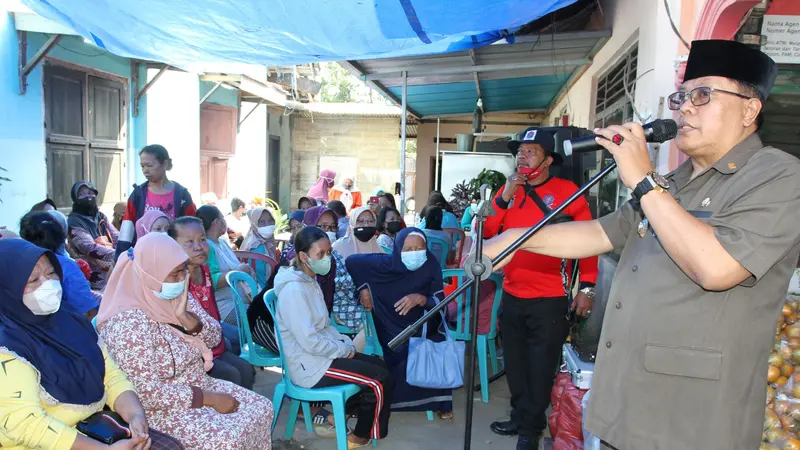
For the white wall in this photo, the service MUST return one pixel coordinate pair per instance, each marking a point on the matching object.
(173, 120)
(631, 21)
(247, 171)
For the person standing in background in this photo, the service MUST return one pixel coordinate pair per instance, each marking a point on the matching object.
(344, 220)
(319, 191)
(158, 192)
(119, 213)
(347, 193)
(236, 220)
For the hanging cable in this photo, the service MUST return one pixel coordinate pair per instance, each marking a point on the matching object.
(675, 28)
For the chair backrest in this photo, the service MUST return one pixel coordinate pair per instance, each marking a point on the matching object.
(458, 237)
(439, 247)
(251, 258)
(270, 299)
(464, 300)
(235, 279)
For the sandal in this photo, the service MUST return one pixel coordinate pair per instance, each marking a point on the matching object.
(353, 445)
(322, 427)
(445, 415)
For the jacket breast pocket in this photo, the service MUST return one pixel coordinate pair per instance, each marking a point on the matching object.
(683, 361)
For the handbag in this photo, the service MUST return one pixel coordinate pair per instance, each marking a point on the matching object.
(105, 426)
(435, 365)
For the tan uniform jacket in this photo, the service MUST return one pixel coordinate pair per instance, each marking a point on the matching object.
(681, 368)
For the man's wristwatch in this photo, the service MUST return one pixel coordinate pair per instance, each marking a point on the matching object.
(653, 181)
(588, 291)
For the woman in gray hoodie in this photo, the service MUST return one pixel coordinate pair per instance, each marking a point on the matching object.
(316, 354)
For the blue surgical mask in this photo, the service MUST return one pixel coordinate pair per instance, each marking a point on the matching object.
(414, 260)
(170, 291)
(320, 266)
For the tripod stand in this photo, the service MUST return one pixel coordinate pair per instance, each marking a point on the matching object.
(478, 268)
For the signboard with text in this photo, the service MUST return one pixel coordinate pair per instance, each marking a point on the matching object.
(783, 38)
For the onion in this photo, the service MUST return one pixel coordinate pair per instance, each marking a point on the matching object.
(773, 374)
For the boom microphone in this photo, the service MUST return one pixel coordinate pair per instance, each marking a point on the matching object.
(659, 130)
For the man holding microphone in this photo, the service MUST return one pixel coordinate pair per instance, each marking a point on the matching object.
(535, 318)
(707, 254)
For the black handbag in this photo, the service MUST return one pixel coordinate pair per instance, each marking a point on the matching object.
(105, 426)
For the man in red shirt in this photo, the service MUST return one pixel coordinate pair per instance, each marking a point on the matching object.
(535, 317)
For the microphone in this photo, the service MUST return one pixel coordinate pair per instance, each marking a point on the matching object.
(659, 130)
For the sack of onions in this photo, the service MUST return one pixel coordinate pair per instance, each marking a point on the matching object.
(781, 428)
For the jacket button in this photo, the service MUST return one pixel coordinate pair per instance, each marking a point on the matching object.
(608, 344)
(618, 305)
(635, 268)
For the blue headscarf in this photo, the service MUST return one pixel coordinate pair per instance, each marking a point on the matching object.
(389, 281)
(62, 346)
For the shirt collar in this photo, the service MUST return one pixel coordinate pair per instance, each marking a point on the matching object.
(728, 164)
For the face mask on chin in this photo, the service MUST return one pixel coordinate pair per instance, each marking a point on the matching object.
(531, 173)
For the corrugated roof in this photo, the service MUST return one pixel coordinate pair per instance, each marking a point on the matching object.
(527, 75)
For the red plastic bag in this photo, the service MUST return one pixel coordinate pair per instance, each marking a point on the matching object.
(555, 400)
(84, 266)
(567, 444)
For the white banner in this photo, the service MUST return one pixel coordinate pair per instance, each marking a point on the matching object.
(783, 38)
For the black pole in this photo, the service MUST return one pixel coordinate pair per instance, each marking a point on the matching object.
(477, 269)
(411, 329)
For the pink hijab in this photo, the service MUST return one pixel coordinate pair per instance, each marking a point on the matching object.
(325, 182)
(145, 224)
(133, 281)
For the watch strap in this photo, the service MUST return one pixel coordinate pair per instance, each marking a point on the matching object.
(644, 186)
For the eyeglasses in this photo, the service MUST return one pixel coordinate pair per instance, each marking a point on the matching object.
(369, 222)
(298, 227)
(328, 227)
(699, 96)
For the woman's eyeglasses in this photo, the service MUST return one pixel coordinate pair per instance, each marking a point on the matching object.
(328, 227)
(698, 96)
(365, 223)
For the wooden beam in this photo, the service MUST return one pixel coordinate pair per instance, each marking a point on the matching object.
(140, 93)
(25, 68)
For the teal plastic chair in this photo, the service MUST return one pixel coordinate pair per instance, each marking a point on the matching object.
(372, 347)
(486, 342)
(439, 247)
(251, 352)
(336, 395)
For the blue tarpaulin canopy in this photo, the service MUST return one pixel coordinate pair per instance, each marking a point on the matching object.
(189, 33)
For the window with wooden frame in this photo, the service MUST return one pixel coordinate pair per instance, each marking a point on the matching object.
(85, 131)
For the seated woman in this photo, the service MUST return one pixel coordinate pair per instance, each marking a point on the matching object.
(360, 239)
(305, 202)
(389, 225)
(160, 336)
(222, 260)
(325, 219)
(55, 371)
(91, 236)
(153, 221)
(436, 199)
(189, 233)
(341, 212)
(261, 239)
(295, 225)
(433, 227)
(42, 230)
(316, 354)
(398, 288)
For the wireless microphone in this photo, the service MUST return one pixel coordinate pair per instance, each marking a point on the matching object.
(659, 130)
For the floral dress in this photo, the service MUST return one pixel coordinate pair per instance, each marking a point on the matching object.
(168, 373)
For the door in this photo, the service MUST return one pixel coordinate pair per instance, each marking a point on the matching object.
(217, 146)
(274, 169)
(85, 128)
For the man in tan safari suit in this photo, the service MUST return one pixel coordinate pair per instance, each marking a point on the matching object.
(707, 254)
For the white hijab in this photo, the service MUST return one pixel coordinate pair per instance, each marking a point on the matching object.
(350, 244)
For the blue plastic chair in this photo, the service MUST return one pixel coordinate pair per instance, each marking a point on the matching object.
(486, 342)
(439, 247)
(372, 347)
(336, 395)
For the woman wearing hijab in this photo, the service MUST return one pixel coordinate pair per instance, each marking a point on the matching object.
(398, 288)
(295, 225)
(189, 233)
(160, 336)
(347, 193)
(261, 239)
(55, 372)
(361, 236)
(42, 230)
(319, 191)
(153, 221)
(306, 202)
(91, 236)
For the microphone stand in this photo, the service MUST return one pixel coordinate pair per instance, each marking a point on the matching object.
(478, 268)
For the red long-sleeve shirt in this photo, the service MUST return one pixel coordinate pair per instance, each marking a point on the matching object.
(531, 275)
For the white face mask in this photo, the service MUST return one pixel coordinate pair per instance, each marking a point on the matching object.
(267, 231)
(331, 236)
(171, 290)
(45, 300)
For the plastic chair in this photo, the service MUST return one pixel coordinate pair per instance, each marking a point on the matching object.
(336, 395)
(440, 248)
(459, 238)
(251, 352)
(372, 347)
(252, 258)
(486, 342)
